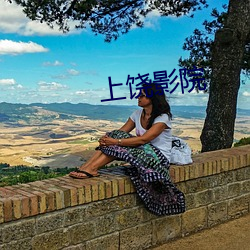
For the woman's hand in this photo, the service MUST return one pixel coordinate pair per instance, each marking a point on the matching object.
(107, 141)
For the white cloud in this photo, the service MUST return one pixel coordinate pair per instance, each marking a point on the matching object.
(246, 93)
(152, 19)
(73, 72)
(192, 98)
(10, 84)
(19, 86)
(7, 82)
(55, 63)
(13, 20)
(51, 86)
(80, 92)
(15, 48)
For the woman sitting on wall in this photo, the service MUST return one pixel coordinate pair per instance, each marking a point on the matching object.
(148, 153)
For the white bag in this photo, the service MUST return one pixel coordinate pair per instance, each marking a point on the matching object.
(180, 152)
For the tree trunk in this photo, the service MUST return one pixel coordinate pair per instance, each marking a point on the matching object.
(227, 56)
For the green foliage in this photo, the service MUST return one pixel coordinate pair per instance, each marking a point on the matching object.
(200, 43)
(23, 174)
(242, 142)
(200, 46)
(108, 17)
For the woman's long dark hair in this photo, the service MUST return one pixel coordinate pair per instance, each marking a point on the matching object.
(159, 103)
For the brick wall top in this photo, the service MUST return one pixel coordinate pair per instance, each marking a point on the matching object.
(25, 200)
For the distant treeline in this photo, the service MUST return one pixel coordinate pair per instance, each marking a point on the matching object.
(12, 112)
(11, 175)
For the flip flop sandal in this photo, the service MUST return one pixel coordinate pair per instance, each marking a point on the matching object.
(87, 175)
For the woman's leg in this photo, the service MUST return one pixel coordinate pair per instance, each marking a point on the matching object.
(93, 158)
(98, 160)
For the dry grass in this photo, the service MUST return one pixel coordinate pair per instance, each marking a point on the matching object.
(30, 144)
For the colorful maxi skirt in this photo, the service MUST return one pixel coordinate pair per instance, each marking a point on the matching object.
(149, 172)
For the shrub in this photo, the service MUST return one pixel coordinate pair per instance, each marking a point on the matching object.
(22, 174)
(242, 142)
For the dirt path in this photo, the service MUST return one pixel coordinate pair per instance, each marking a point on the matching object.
(233, 235)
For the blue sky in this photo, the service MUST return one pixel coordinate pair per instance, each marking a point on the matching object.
(38, 64)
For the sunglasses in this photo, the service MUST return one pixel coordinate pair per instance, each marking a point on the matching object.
(142, 95)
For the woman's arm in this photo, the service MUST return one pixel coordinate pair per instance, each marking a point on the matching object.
(151, 134)
(128, 126)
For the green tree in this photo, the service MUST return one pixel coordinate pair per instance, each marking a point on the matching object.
(200, 46)
(108, 17)
(219, 125)
(227, 58)
(112, 18)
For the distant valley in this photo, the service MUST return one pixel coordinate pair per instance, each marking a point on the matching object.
(65, 134)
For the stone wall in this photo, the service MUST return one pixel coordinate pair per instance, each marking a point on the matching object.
(105, 212)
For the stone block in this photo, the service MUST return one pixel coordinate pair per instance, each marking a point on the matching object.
(101, 191)
(245, 186)
(80, 233)
(240, 174)
(181, 175)
(59, 197)
(105, 225)
(99, 208)
(41, 201)
(166, 228)
(7, 209)
(66, 197)
(220, 193)
(1, 235)
(77, 247)
(131, 217)
(24, 244)
(121, 186)
(238, 206)
(115, 188)
(53, 240)
(74, 215)
(87, 193)
(16, 204)
(73, 196)
(49, 222)
(18, 230)
(107, 242)
(190, 203)
(204, 198)
(194, 220)
(210, 168)
(224, 165)
(217, 213)
(182, 186)
(174, 173)
(136, 238)
(1, 211)
(50, 200)
(108, 188)
(243, 160)
(216, 165)
(225, 178)
(247, 171)
(248, 159)
(234, 189)
(196, 185)
(127, 185)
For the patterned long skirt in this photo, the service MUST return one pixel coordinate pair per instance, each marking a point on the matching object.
(149, 173)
